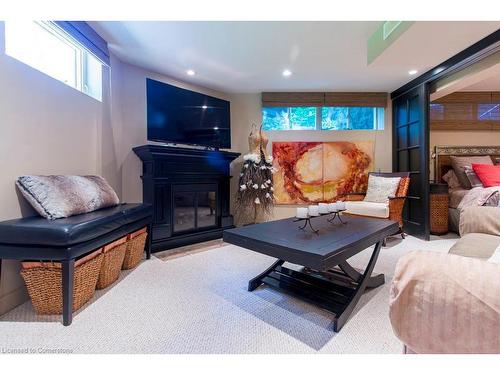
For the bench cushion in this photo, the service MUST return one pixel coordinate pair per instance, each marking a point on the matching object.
(69, 231)
(371, 209)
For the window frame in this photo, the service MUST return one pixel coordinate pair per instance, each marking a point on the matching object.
(82, 54)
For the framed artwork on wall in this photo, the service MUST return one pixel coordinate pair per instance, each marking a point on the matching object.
(309, 172)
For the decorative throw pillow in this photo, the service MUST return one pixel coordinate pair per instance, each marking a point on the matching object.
(459, 162)
(381, 188)
(488, 174)
(451, 179)
(472, 177)
(54, 197)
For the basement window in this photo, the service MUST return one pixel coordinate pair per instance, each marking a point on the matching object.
(289, 118)
(322, 118)
(46, 47)
(352, 118)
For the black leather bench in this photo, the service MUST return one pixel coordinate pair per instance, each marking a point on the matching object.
(64, 240)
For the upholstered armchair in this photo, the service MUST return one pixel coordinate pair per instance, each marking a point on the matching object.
(392, 210)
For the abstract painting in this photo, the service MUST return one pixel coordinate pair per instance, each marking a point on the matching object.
(311, 172)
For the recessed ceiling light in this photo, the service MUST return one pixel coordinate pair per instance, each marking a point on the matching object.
(204, 107)
(286, 73)
(413, 72)
(190, 72)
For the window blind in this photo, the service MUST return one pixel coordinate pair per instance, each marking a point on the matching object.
(356, 99)
(467, 110)
(292, 99)
(319, 99)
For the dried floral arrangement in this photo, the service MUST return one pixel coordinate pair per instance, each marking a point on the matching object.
(255, 187)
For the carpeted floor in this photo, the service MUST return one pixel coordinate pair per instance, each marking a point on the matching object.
(198, 303)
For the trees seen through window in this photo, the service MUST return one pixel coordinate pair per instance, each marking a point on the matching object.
(322, 118)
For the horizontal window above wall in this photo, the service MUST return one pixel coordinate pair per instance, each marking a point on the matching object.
(289, 118)
(48, 48)
(320, 99)
(352, 118)
(322, 118)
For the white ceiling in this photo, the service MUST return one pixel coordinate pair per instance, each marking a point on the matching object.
(250, 56)
(490, 84)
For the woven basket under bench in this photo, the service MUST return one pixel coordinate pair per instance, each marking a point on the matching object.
(96, 270)
(113, 255)
(43, 281)
(136, 243)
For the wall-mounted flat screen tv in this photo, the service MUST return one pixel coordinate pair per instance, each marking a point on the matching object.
(176, 115)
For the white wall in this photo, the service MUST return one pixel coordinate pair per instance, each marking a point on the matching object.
(246, 108)
(46, 127)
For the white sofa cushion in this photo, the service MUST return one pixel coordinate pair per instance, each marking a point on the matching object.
(381, 188)
(363, 208)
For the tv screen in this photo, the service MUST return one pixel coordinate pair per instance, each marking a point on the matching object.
(176, 115)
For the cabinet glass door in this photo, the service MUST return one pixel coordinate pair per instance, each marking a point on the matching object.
(206, 209)
(184, 211)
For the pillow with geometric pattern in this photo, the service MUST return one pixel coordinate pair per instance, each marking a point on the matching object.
(472, 177)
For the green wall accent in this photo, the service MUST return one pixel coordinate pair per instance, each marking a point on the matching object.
(377, 44)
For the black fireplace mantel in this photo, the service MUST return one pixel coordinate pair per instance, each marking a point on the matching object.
(189, 190)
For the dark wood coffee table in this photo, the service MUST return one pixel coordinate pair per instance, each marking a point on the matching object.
(327, 279)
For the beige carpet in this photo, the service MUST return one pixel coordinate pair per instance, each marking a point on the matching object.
(198, 303)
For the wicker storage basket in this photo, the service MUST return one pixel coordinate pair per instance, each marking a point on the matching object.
(43, 281)
(439, 213)
(112, 260)
(136, 242)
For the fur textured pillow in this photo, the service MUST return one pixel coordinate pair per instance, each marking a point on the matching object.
(55, 197)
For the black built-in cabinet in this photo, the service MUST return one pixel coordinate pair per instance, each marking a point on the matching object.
(189, 190)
